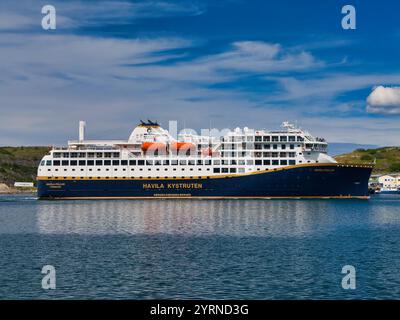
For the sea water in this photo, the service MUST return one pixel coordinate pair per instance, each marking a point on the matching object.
(200, 249)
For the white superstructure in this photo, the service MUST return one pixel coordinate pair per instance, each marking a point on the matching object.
(151, 151)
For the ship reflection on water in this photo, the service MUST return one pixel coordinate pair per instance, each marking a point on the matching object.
(231, 217)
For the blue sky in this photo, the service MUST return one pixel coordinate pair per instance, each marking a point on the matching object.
(233, 62)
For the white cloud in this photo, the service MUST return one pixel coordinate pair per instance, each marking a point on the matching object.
(26, 14)
(385, 100)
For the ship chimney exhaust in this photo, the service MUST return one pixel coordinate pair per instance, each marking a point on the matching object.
(82, 126)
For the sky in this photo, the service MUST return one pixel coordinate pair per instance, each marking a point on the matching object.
(228, 63)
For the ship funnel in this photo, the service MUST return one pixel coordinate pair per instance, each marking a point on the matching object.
(82, 126)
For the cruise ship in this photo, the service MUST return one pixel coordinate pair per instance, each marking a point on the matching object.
(241, 163)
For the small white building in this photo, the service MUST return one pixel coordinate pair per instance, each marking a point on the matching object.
(389, 181)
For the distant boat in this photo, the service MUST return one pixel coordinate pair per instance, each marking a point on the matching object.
(389, 191)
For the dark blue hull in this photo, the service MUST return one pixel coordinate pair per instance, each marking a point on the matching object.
(302, 181)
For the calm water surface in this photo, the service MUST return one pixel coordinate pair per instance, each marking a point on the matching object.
(170, 249)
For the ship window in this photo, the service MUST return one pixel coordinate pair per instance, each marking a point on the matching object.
(233, 162)
(199, 162)
(157, 162)
(107, 162)
(140, 162)
(98, 169)
(66, 155)
(274, 154)
(56, 162)
(107, 155)
(207, 162)
(73, 163)
(132, 162)
(275, 138)
(217, 162)
(292, 146)
(124, 162)
(232, 170)
(191, 162)
(292, 162)
(166, 162)
(241, 170)
(57, 155)
(225, 162)
(283, 155)
(99, 162)
(82, 155)
(292, 138)
(266, 138)
(258, 138)
(283, 146)
(90, 163)
(224, 170)
(242, 162)
(74, 155)
(267, 162)
(115, 154)
(275, 162)
(283, 138)
(258, 162)
(182, 162)
(82, 162)
(65, 162)
(149, 162)
(115, 162)
(283, 162)
(292, 154)
(42, 163)
(174, 162)
(81, 169)
(90, 155)
(48, 169)
(249, 162)
(267, 146)
(299, 138)
(274, 146)
(99, 155)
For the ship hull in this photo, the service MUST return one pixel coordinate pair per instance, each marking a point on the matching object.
(301, 181)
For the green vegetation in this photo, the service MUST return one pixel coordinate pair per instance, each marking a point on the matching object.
(387, 158)
(20, 163)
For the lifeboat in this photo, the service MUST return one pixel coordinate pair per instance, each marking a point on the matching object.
(183, 147)
(154, 147)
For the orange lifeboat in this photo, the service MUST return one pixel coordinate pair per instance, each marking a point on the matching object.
(183, 147)
(154, 147)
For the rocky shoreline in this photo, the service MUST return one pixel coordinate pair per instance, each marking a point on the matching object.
(4, 189)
